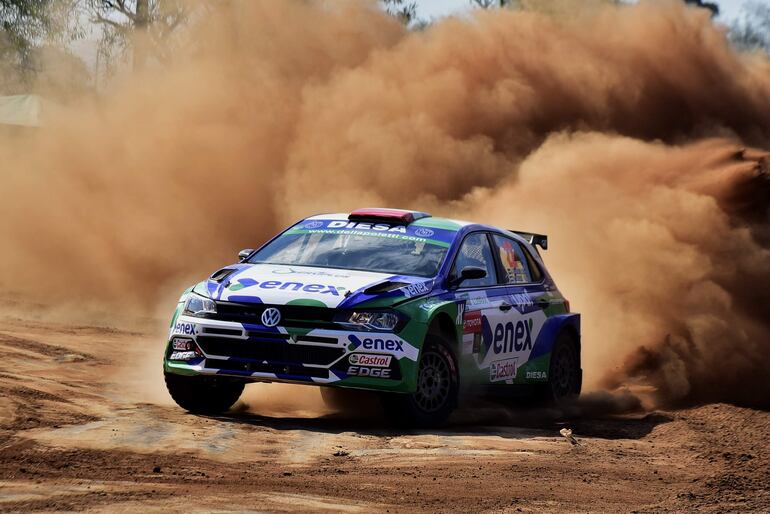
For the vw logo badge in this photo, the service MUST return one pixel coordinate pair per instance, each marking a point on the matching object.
(271, 317)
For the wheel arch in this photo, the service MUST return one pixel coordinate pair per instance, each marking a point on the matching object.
(444, 326)
(555, 325)
(574, 332)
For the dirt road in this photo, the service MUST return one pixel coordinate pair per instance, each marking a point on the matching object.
(85, 425)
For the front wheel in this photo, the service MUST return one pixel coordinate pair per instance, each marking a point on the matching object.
(204, 395)
(436, 395)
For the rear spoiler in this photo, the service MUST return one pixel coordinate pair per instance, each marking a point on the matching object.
(534, 239)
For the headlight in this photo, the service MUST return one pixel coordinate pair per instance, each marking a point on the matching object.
(197, 305)
(375, 320)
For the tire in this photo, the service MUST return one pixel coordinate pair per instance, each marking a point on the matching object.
(204, 395)
(437, 385)
(565, 377)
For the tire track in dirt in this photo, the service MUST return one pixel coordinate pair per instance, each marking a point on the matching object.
(72, 436)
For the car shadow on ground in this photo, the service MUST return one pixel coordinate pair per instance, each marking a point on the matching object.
(483, 420)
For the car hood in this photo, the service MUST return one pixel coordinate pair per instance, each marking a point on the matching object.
(281, 284)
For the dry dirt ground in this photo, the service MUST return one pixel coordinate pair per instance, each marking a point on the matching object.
(85, 425)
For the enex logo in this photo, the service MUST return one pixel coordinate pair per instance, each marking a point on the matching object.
(509, 337)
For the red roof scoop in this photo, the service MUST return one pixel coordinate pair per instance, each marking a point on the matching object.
(389, 215)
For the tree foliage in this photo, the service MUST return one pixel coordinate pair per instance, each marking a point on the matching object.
(140, 28)
(404, 10)
(26, 26)
(711, 6)
(489, 4)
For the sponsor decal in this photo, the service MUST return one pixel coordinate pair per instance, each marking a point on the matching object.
(181, 343)
(472, 322)
(460, 312)
(292, 271)
(362, 371)
(386, 343)
(374, 361)
(182, 356)
(373, 230)
(475, 298)
(381, 227)
(382, 344)
(502, 370)
(522, 300)
(291, 286)
(514, 267)
(537, 375)
(417, 289)
(429, 303)
(509, 336)
(184, 328)
(313, 224)
(271, 317)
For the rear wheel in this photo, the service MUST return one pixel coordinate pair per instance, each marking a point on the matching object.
(204, 395)
(564, 376)
(436, 395)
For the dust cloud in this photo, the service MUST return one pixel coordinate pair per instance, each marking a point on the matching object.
(621, 134)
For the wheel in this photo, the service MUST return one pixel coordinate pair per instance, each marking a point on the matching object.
(564, 375)
(436, 395)
(204, 395)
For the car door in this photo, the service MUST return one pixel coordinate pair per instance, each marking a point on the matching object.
(524, 282)
(485, 304)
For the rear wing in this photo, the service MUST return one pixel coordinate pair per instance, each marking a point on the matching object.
(534, 239)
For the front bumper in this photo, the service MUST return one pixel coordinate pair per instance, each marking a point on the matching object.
(357, 359)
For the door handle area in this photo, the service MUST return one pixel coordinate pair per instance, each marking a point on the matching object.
(505, 306)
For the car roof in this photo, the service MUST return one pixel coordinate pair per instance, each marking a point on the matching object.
(431, 222)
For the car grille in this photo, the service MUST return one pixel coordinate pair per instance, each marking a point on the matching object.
(299, 316)
(273, 350)
(260, 367)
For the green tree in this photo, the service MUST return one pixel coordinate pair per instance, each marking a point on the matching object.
(139, 28)
(711, 6)
(403, 10)
(25, 27)
(490, 4)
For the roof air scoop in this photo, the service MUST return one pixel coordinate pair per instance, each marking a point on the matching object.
(387, 215)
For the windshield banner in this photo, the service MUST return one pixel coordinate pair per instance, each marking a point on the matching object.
(413, 232)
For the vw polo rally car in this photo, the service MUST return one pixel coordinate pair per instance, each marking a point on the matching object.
(416, 307)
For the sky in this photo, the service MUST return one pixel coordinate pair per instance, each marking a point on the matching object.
(427, 9)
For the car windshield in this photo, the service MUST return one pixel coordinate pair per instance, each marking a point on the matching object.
(355, 250)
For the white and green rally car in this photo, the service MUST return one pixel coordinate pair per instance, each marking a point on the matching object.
(416, 307)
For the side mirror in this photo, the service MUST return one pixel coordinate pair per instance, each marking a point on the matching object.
(467, 273)
(244, 253)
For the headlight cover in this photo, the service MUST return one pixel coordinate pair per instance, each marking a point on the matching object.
(376, 320)
(197, 305)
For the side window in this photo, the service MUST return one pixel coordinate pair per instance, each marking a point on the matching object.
(534, 267)
(512, 257)
(475, 251)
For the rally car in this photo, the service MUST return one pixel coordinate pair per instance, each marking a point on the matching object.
(416, 307)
